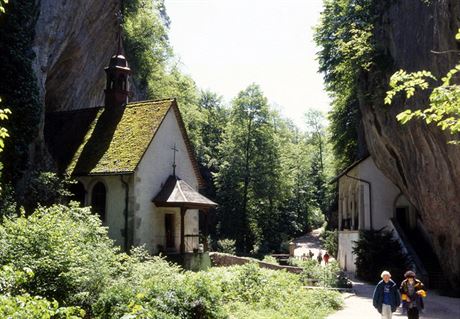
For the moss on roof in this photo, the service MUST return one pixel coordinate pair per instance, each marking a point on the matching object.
(117, 138)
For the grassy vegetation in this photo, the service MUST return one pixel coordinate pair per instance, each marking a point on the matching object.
(252, 292)
(61, 261)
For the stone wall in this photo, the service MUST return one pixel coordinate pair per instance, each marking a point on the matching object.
(223, 260)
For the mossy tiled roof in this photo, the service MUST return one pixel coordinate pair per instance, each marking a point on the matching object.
(99, 141)
(118, 138)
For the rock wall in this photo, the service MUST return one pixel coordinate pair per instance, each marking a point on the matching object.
(73, 43)
(416, 157)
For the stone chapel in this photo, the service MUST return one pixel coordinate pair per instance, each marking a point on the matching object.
(134, 165)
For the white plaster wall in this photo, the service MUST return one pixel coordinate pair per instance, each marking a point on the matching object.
(152, 172)
(115, 203)
(383, 193)
(346, 258)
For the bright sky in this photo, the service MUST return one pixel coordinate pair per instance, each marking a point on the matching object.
(225, 45)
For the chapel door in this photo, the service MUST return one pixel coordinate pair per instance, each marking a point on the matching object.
(402, 216)
(169, 231)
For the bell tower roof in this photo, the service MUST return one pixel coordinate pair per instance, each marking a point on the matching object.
(118, 71)
(118, 61)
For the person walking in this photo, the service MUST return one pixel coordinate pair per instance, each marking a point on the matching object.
(412, 291)
(386, 298)
(310, 254)
(319, 257)
(326, 258)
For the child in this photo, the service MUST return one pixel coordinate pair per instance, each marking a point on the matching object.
(412, 291)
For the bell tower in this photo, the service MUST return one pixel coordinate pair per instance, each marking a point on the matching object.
(118, 71)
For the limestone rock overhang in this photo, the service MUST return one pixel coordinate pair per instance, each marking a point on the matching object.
(177, 193)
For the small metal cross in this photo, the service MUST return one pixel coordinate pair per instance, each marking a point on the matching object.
(119, 17)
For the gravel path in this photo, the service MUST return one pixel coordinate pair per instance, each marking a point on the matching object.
(308, 242)
(359, 305)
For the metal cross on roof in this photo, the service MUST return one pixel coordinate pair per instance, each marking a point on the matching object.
(119, 17)
(175, 150)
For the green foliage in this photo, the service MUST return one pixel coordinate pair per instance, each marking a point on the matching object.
(377, 250)
(62, 256)
(46, 189)
(2, 8)
(330, 242)
(8, 205)
(3, 131)
(147, 46)
(18, 87)
(316, 134)
(348, 50)
(315, 274)
(249, 181)
(270, 260)
(214, 117)
(155, 69)
(26, 306)
(155, 289)
(252, 292)
(345, 118)
(270, 179)
(67, 250)
(226, 246)
(15, 302)
(444, 100)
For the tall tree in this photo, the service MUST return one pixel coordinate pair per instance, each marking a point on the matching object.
(249, 170)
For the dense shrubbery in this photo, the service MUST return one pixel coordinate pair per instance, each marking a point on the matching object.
(313, 273)
(66, 248)
(15, 302)
(252, 292)
(377, 250)
(330, 241)
(150, 287)
(60, 263)
(270, 260)
(226, 246)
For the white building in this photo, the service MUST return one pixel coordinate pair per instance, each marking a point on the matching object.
(135, 166)
(368, 201)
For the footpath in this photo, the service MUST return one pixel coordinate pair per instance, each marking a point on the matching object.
(359, 305)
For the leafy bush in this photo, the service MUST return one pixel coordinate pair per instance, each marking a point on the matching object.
(270, 260)
(316, 218)
(16, 303)
(313, 273)
(61, 256)
(330, 241)
(226, 246)
(66, 248)
(155, 289)
(252, 292)
(46, 189)
(377, 250)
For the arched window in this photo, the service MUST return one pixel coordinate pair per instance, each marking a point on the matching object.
(98, 200)
(78, 193)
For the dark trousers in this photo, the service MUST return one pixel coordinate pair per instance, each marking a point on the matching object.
(412, 313)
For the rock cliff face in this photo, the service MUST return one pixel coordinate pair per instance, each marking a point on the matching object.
(416, 157)
(73, 44)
